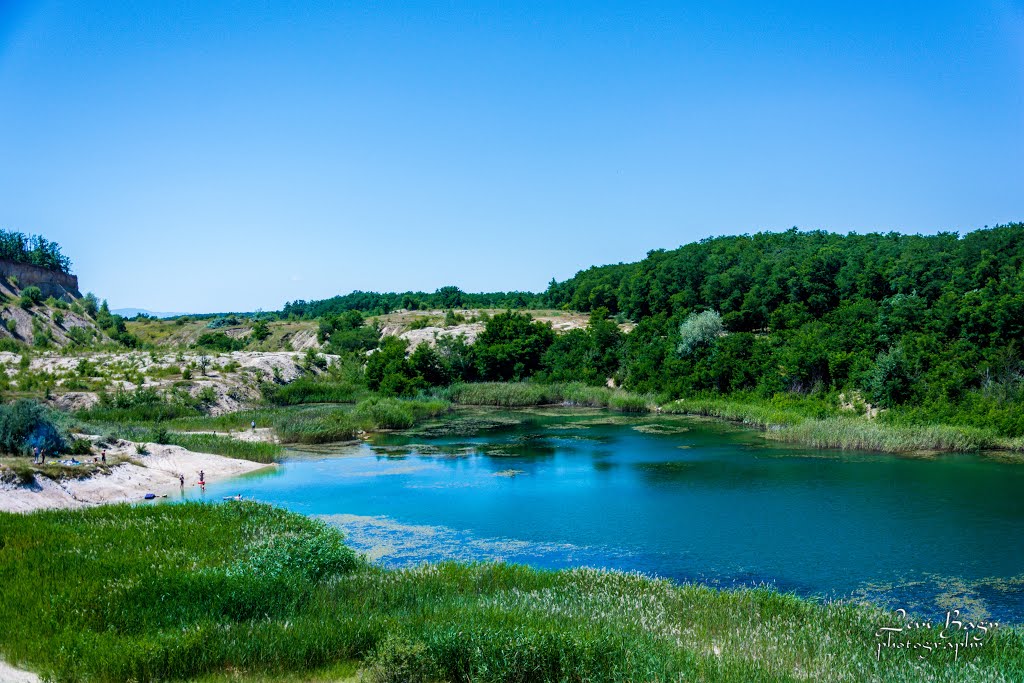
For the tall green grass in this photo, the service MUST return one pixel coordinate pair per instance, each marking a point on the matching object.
(238, 421)
(313, 390)
(820, 427)
(325, 424)
(175, 592)
(257, 451)
(525, 394)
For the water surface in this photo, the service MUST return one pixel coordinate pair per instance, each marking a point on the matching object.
(683, 498)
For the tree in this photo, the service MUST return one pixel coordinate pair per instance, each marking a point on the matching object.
(511, 345)
(25, 424)
(260, 330)
(698, 330)
(449, 297)
(390, 372)
(891, 380)
(90, 304)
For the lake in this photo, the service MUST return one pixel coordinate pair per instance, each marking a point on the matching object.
(683, 498)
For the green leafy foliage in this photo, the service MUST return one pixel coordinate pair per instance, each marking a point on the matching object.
(220, 342)
(375, 303)
(347, 333)
(511, 346)
(34, 250)
(25, 425)
(31, 296)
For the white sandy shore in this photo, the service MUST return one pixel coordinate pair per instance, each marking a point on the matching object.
(156, 473)
(8, 674)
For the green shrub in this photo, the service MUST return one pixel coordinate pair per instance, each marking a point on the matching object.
(79, 336)
(218, 341)
(698, 330)
(260, 330)
(31, 296)
(397, 660)
(145, 404)
(80, 447)
(12, 325)
(420, 323)
(24, 425)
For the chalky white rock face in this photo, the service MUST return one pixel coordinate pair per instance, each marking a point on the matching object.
(234, 377)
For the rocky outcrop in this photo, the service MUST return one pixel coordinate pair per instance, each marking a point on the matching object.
(50, 282)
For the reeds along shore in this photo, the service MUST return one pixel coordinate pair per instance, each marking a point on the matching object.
(175, 592)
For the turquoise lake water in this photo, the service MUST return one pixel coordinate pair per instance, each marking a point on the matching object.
(683, 498)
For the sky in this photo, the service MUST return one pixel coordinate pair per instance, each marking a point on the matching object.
(218, 156)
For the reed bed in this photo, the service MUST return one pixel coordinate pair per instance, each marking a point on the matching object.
(257, 451)
(326, 424)
(175, 592)
(842, 431)
(525, 394)
(313, 390)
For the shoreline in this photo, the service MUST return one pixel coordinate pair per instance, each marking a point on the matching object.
(840, 429)
(155, 472)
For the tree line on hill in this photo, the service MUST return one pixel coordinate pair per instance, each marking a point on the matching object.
(929, 323)
(33, 250)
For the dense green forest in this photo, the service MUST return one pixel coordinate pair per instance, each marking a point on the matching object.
(33, 250)
(929, 324)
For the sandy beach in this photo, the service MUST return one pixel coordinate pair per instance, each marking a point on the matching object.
(156, 472)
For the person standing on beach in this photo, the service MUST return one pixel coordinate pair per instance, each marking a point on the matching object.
(254, 425)
(104, 456)
(35, 455)
(42, 456)
(181, 478)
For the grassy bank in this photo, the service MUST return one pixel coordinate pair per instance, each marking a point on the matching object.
(200, 443)
(177, 591)
(524, 394)
(325, 424)
(814, 424)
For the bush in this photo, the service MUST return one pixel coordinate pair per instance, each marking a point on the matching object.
(227, 321)
(142, 405)
(31, 296)
(698, 330)
(12, 326)
(24, 425)
(397, 660)
(260, 330)
(81, 447)
(218, 341)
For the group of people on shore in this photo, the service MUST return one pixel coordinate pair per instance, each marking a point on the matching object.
(39, 457)
(201, 482)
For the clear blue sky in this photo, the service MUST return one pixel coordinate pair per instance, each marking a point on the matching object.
(207, 156)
